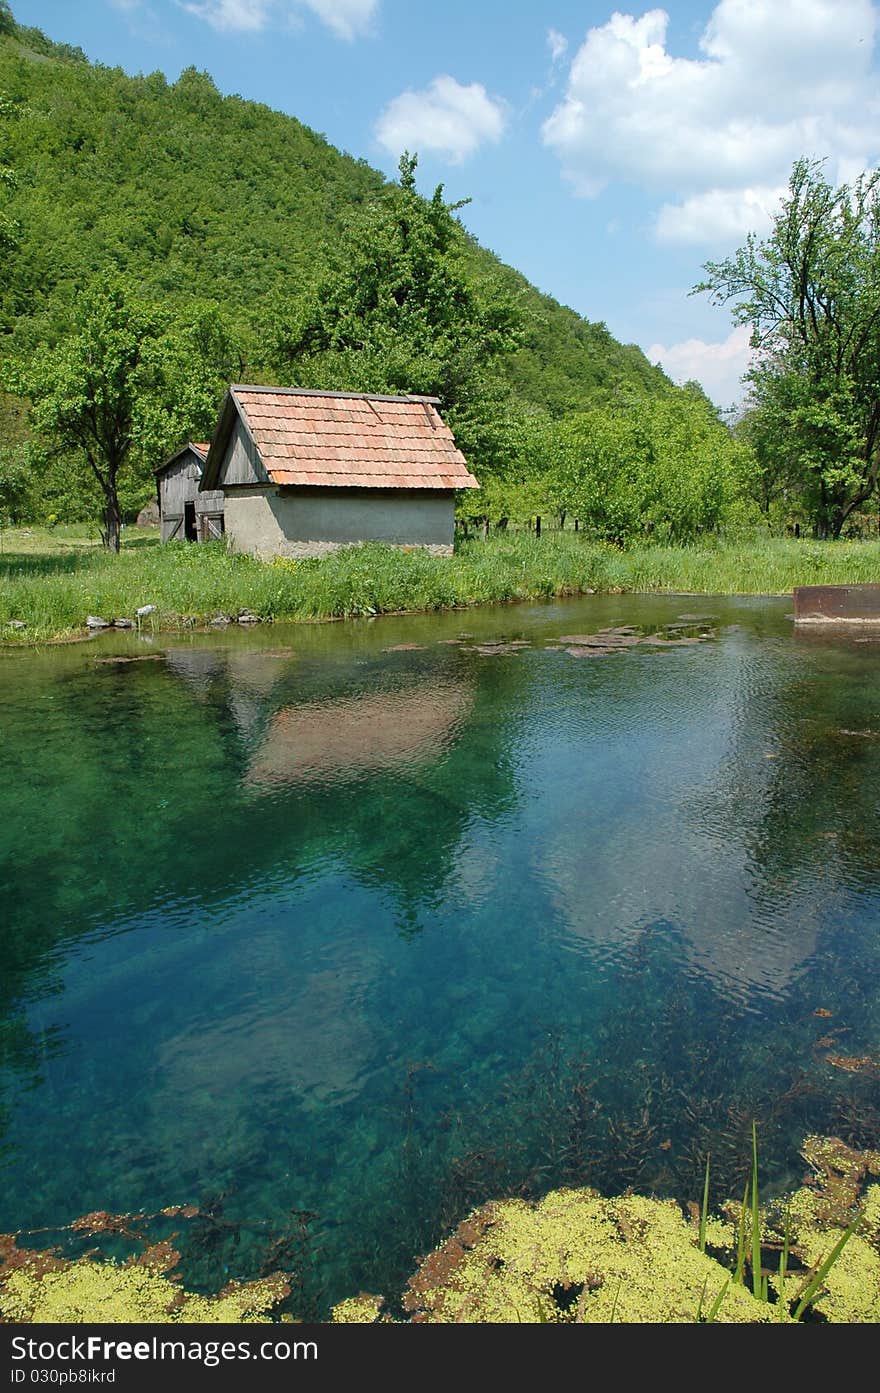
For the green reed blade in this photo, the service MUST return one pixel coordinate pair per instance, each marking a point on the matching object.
(739, 1271)
(758, 1287)
(812, 1288)
(616, 1298)
(716, 1304)
(699, 1315)
(705, 1207)
(783, 1262)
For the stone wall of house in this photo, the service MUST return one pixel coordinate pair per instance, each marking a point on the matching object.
(268, 521)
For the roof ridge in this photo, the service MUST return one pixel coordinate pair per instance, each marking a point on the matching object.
(323, 392)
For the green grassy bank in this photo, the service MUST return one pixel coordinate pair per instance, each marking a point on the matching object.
(50, 581)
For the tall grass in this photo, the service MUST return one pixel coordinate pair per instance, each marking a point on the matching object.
(52, 590)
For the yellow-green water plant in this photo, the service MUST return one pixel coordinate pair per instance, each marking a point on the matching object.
(585, 1258)
(41, 1285)
(576, 1256)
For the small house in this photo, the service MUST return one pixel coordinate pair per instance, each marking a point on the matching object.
(304, 472)
(186, 513)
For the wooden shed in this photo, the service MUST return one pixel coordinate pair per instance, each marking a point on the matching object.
(187, 513)
(304, 472)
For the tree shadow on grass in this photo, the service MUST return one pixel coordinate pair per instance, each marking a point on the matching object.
(23, 563)
(64, 562)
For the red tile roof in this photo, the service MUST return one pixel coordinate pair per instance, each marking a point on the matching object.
(341, 439)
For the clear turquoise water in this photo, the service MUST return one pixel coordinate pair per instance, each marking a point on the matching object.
(337, 942)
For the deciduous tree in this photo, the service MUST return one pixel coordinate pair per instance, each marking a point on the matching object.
(396, 309)
(811, 292)
(662, 466)
(126, 386)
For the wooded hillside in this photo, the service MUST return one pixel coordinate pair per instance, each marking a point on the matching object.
(196, 195)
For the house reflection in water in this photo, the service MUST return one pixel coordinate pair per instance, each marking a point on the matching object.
(342, 738)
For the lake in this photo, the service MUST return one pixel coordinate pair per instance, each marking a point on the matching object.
(337, 931)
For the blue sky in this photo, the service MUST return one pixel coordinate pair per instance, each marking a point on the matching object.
(608, 154)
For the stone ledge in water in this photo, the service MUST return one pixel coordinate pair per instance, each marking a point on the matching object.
(837, 604)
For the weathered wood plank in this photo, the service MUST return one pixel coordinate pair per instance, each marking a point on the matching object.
(241, 464)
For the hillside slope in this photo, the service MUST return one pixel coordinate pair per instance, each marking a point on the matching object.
(200, 195)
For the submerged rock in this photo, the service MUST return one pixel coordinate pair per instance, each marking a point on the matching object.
(608, 640)
(136, 658)
(625, 636)
(495, 647)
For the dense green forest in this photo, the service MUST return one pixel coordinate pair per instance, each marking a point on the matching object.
(199, 195)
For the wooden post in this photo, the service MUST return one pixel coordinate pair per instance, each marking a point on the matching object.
(537, 526)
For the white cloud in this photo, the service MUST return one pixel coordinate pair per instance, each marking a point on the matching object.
(717, 135)
(346, 18)
(719, 216)
(447, 118)
(718, 367)
(239, 15)
(557, 44)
